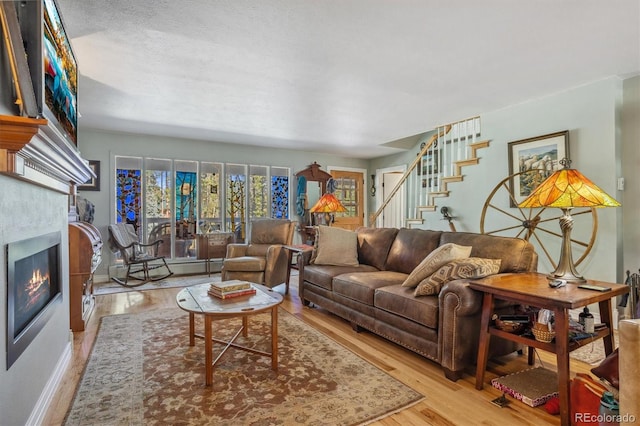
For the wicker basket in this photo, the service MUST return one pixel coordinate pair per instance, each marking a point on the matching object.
(542, 333)
(510, 326)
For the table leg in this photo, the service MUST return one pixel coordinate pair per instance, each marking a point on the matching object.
(607, 318)
(245, 326)
(289, 259)
(192, 329)
(208, 351)
(274, 338)
(562, 356)
(483, 348)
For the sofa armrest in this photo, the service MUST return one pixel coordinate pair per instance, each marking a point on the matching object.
(275, 271)
(236, 250)
(460, 308)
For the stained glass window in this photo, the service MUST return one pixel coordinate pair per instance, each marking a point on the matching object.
(280, 196)
(128, 188)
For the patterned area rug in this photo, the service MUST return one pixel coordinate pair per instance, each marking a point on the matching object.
(179, 281)
(142, 371)
(593, 353)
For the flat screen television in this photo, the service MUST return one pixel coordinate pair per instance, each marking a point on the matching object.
(52, 65)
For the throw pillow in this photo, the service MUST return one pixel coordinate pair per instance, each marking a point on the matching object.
(336, 246)
(437, 258)
(472, 267)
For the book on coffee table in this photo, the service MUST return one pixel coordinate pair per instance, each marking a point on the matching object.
(231, 285)
(233, 293)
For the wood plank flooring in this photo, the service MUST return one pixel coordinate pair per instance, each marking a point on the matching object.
(445, 403)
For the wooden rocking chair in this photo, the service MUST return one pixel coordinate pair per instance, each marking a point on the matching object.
(139, 257)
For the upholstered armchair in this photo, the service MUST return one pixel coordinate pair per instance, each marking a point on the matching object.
(263, 259)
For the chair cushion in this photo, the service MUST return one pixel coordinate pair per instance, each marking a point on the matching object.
(434, 261)
(473, 267)
(336, 246)
(245, 263)
(271, 231)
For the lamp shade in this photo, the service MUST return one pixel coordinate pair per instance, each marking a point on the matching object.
(328, 203)
(565, 189)
(568, 188)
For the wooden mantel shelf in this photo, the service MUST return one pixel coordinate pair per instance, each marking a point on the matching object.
(33, 150)
(16, 132)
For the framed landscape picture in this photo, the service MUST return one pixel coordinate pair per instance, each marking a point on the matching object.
(94, 183)
(533, 160)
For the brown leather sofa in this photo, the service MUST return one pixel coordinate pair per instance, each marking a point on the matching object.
(263, 260)
(443, 328)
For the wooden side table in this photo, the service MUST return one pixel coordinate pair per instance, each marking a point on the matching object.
(533, 289)
(213, 246)
(291, 250)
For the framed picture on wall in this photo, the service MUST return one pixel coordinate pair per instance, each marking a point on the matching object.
(533, 160)
(94, 183)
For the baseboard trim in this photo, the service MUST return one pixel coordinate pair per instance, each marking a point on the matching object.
(42, 405)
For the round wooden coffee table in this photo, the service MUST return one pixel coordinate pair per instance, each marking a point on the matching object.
(196, 300)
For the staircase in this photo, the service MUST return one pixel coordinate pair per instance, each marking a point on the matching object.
(439, 163)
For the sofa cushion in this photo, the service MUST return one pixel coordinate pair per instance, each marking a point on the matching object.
(410, 247)
(374, 245)
(434, 260)
(473, 267)
(517, 255)
(245, 263)
(361, 286)
(399, 300)
(322, 275)
(335, 246)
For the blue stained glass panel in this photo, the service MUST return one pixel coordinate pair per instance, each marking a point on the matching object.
(280, 197)
(128, 185)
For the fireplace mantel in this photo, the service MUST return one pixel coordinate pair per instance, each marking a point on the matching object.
(32, 149)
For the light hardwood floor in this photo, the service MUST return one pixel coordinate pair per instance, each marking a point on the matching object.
(445, 403)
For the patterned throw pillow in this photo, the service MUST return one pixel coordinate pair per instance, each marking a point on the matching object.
(335, 246)
(472, 267)
(437, 258)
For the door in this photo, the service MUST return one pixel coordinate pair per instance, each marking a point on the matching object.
(350, 192)
(393, 213)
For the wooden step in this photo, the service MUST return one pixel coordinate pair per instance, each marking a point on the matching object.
(413, 221)
(426, 208)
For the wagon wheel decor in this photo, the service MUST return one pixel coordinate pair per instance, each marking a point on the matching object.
(538, 226)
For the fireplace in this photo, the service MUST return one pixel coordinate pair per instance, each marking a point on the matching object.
(34, 288)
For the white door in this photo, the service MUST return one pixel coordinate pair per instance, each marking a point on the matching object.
(394, 213)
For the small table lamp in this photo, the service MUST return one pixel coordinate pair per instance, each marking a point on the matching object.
(565, 189)
(328, 204)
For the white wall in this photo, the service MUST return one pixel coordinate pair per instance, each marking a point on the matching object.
(591, 114)
(26, 211)
(631, 166)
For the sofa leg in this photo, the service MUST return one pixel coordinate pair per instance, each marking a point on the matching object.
(454, 376)
(355, 327)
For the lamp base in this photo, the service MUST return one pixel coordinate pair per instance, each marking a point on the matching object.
(566, 276)
(566, 269)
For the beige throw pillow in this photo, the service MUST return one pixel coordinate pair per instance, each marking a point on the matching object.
(437, 258)
(336, 246)
(472, 267)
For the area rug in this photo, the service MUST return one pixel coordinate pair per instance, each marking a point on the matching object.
(142, 371)
(173, 281)
(593, 353)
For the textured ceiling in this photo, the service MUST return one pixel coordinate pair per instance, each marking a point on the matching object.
(341, 76)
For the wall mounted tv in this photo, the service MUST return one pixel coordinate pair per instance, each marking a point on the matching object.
(52, 64)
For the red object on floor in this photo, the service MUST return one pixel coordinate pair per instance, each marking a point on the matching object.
(553, 405)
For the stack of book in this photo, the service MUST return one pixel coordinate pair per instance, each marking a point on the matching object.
(229, 289)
